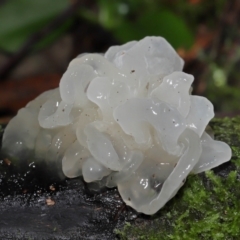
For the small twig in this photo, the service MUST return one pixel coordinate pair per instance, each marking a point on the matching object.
(119, 211)
(35, 38)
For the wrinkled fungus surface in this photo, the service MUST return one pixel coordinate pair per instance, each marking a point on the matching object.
(126, 118)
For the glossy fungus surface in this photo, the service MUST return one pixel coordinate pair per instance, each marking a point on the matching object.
(126, 118)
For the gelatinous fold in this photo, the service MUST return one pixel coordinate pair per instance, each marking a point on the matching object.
(125, 119)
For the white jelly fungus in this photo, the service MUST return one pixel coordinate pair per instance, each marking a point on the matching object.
(125, 118)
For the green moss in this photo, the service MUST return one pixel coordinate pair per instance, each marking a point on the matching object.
(207, 207)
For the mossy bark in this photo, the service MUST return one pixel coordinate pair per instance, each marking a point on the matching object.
(207, 206)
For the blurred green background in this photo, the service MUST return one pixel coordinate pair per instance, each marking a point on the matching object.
(38, 38)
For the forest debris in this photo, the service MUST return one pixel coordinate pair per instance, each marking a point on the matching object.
(52, 188)
(7, 161)
(50, 202)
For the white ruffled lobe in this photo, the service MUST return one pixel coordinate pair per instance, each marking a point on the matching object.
(73, 159)
(101, 148)
(200, 113)
(93, 170)
(21, 132)
(174, 90)
(214, 154)
(147, 61)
